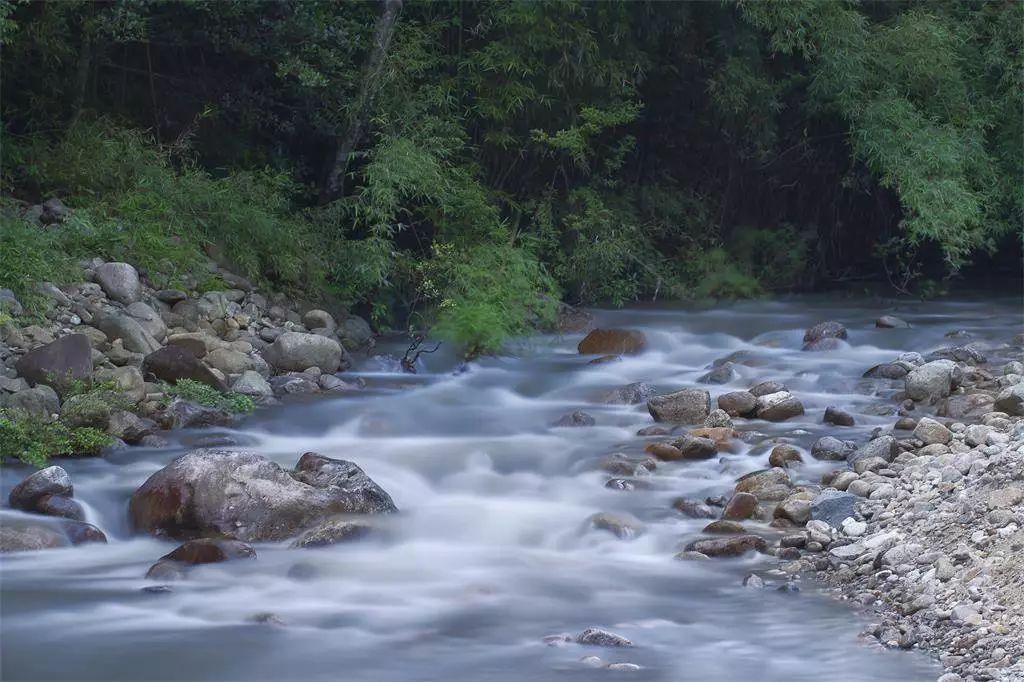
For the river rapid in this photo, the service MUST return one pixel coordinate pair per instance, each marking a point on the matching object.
(492, 552)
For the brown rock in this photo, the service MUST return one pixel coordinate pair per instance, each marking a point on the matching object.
(784, 455)
(741, 506)
(722, 527)
(738, 403)
(732, 546)
(613, 342)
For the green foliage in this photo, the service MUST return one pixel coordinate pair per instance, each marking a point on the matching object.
(716, 276)
(34, 441)
(200, 393)
(29, 255)
(774, 258)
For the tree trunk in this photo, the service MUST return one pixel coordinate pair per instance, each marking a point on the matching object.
(334, 183)
(81, 77)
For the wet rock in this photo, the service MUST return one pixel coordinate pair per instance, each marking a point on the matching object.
(838, 417)
(784, 456)
(795, 508)
(822, 344)
(693, 508)
(930, 432)
(887, 370)
(58, 364)
(740, 507)
(884, 447)
(932, 381)
(120, 281)
(27, 538)
(753, 581)
(722, 374)
(824, 330)
(210, 551)
(890, 322)
(253, 384)
(167, 570)
(577, 418)
(630, 394)
(905, 424)
(605, 359)
(766, 484)
(129, 427)
(833, 506)
(767, 387)
(613, 342)
(738, 403)
(689, 406)
(695, 447)
(293, 383)
(1011, 400)
(627, 484)
(243, 496)
(355, 334)
(80, 533)
(184, 414)
(333, 532)
(830, 448)
(57, 505)
(599, 637)
(622, 526)
(666, 452)
(723, 527)
(621, 464)
(52, 480)
(730, 546)
(718, 418)
(777, 407)
(293, 351)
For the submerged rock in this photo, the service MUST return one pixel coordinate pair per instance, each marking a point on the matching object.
(577, 418)
(613, 342)
(599, 637)
(730, 546)
(244, 496)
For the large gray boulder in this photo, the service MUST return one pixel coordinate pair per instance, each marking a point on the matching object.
(173, 363)
(243, 496)
(120, 281)
(58, 364)
(689, 406)
(884, 447)
(119, 325)
(40, 402)
(355, 333)
(295, 352)
(234, 362)
(148, 319)
(53, 480)
(777, 407)
(932, 381)
(252, 384)
(1011, 400)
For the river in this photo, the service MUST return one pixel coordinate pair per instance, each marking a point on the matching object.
(491, 551)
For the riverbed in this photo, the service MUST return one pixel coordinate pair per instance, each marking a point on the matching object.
(492, 551)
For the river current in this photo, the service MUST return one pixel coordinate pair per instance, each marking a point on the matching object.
(492, 552)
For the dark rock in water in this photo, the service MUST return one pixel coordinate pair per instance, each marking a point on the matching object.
(969, 354)
(722, 374)
(664, 451)
(621, 464)
(130, 427)
(905, 424)
(630, 394)
(599, 637)
(58, 364)
(833, 506)
(654, 430)
(831, 449)
(613, 342)
(825, 330)
(777, 407)
(766, 388)
(210, 551)
(154, 441)
(52, 480)
(157, 589)
(890, 322)
(172, 363)
(79, 533)
(166, 570)
(244, 496)
(693, 508)
(731, 546)
(267, 618)
(333, 532)
(183, 414)
(622, 526)
(740, 507)
(822, 344)
(57, 505)
(694, 447)
(294, 383)
(605, 359)
(627, 484)
(570, 320)
(723, 527)
(884, 447)
(784, 455)
(738, 403)
(833, 415)
(30, 537)
(577, 418)
(754, 582)
(766, 484)
(689, 406)
(887, 370)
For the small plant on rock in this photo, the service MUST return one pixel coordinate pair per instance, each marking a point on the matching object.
(200, 393)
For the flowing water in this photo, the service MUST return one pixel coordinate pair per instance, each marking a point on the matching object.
(491, 551)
